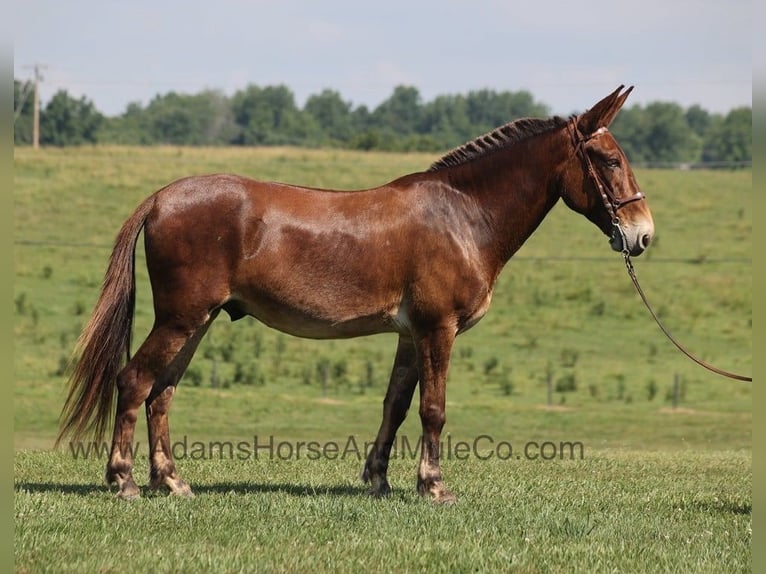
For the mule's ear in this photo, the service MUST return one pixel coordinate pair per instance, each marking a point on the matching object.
(616, 107)
(602, 114)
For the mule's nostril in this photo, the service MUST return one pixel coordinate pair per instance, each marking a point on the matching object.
(645, 240)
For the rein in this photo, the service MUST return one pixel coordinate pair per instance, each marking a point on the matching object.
(612, 204)
(684, 350)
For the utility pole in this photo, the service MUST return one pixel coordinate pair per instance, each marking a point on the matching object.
(36, 111)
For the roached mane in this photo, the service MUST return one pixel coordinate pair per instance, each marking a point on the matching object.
(498, 138)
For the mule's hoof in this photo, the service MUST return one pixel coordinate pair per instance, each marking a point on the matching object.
(184, 493)
(174, 485)
(379, 487)
(444, 497)
(438, 492)
(126, 487)
(128, 492)
(179, 487)
(382, 490)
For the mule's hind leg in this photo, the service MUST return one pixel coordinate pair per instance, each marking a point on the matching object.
(162, 471)
(134, 384)
(401, 386)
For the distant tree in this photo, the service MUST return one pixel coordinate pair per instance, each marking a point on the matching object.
(269, 116)
(23, 110)
(669, 137)
(366, 136)
(699, 120)
(169, 120)
(446, 120)
(630, 129)
(488, 109)
(661, 132)
(198, 119)
(68, 121)
(130, 128)
(732, 139)
(332, 115)
(361, 117)
(658, 133)
(400, 113)
(218, 126)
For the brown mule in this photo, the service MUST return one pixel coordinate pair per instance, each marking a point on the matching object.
(418, 256)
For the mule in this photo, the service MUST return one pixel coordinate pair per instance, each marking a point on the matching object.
(418, 256)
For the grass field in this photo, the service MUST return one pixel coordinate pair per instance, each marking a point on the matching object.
(615, 511)
(658, 488)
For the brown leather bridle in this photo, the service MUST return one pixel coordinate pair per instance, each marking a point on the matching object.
(612, 203)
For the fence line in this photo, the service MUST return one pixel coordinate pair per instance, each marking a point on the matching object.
(689, 166)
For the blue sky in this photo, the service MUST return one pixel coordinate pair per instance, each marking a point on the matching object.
(568, 54)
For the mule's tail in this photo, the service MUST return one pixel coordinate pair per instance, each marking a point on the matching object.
(105, 340)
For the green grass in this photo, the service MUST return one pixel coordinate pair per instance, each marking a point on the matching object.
(613, 511)
(659, 488)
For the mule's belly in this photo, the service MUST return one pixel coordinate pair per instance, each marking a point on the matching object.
(312, 322)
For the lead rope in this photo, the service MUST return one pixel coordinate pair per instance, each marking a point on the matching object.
(612, 205)
(709, 367)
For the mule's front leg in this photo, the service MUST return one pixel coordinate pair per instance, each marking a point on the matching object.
(401, 386)
(433, 357)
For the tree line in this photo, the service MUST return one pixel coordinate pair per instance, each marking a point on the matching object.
(657, 133)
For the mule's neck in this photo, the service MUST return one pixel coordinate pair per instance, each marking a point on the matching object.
(514, 188)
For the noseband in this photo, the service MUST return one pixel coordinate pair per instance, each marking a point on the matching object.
(612, 203)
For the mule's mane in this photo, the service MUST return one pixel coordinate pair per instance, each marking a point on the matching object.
(504, 136)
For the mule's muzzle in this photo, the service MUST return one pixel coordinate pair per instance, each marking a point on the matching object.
(631, 239)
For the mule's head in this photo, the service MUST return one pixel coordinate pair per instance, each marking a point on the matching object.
(599, 182)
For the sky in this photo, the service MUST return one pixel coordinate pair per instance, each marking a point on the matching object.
(568, 54)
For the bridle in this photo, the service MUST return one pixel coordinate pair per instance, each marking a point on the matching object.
(612, 203)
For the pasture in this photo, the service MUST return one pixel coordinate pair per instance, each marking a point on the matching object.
(656, 487)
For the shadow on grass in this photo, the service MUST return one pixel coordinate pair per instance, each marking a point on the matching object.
(291, 489)
(52, 487)
(216, 488)
(720, 507)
